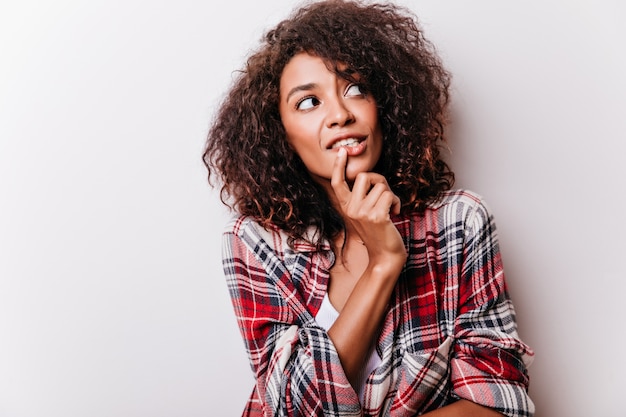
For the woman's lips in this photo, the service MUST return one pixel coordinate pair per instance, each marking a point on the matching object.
(353, 146)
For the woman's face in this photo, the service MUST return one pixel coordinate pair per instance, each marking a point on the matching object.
(322, 112)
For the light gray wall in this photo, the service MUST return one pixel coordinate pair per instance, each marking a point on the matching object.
(112, 300)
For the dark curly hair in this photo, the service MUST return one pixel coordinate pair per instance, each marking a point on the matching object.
(264, 178)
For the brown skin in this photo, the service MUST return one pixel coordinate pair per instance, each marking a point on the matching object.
(318, 108)
(361, 296)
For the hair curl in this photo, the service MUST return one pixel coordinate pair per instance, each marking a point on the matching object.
(264, 178)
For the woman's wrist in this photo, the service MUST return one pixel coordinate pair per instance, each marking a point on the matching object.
(386, 267)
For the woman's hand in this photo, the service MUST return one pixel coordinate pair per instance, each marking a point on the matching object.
(367, 208)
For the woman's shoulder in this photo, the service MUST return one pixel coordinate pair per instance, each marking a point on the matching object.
(457, 197)
(461, 201)
(249, 230)
(453, 208)
(240, 225)
(253, 233)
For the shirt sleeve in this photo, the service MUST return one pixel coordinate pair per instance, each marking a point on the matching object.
(296, 366)
(489, 362)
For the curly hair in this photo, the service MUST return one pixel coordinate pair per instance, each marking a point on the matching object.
(263, 177)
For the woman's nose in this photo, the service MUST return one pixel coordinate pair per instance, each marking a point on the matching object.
(338, 113)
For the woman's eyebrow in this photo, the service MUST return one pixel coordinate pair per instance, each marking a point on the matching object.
(303, 87)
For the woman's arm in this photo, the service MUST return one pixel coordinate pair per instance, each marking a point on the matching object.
(489, 362)
(366, 209)
(296, 367)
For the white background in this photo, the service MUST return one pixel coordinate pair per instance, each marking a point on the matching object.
(112, 299)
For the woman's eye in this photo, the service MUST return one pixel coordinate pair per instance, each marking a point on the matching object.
(355, 90)
(307, 103)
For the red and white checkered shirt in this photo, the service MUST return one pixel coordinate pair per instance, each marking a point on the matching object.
(450, 332)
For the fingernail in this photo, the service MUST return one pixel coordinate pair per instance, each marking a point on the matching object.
(341, 152)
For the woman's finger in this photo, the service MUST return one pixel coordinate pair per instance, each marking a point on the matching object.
(396, 205)
(338, 178)
(364, 182)
(379, 203)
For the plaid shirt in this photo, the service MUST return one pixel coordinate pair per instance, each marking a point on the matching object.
(450, 332)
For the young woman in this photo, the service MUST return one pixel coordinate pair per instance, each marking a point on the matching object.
(361, 283)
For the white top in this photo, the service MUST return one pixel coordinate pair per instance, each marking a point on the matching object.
(326, 317)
